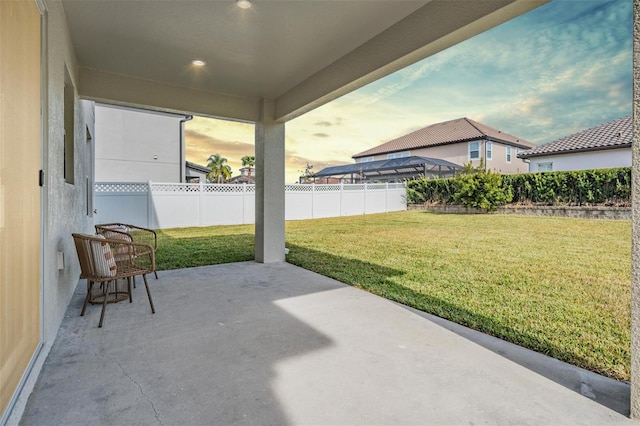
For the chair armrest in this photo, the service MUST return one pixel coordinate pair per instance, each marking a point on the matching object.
(137, 233)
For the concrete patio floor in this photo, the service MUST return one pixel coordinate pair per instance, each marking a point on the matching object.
(250, 343)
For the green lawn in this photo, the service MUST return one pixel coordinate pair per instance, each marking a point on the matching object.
(556, 285)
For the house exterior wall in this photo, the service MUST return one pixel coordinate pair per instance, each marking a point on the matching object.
(635, 213)
(458, 153)
(137, 145)
(64, 205)
(620, 157)
(190, 173)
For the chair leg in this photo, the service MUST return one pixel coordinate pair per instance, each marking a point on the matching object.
(129, 289)
(153, 310)
(86, 299)
(156, 274)
(104, 301)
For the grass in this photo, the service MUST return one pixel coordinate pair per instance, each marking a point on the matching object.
(558, 286)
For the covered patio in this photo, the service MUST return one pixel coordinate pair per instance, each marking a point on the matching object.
(258, 343)
(251, 343)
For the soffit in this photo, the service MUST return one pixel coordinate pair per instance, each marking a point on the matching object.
(301, 53)
(258, 52)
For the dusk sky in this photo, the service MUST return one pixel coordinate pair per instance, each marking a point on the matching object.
(559, 69)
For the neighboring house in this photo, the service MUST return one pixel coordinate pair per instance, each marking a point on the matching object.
(134, 145)
(457, 141)
(247, 175)
(195, 173)
(601, 147)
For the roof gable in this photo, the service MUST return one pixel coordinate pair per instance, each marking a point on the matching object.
(613, 134)
(447, 132)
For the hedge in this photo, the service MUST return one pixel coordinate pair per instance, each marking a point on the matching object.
(580, 187)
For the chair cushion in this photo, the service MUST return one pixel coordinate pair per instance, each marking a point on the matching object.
(105, 264)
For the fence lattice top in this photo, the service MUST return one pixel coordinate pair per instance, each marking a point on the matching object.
(121, 187)
(190, 188)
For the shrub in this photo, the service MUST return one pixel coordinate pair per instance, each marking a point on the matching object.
(602, 186)
(481, 189)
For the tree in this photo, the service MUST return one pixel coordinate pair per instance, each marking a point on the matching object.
(307, 175)
(248, 161)
(219, 170)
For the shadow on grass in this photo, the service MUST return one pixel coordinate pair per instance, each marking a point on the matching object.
(377, 279)
(177, 253)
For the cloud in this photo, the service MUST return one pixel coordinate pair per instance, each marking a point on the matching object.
(564, 67)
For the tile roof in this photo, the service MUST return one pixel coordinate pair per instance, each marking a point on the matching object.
(614, 134)
(448, 132)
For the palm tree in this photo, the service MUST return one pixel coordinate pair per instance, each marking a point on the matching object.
(248, 161)
(219, 170)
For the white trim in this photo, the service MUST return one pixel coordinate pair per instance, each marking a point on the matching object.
(488, 150)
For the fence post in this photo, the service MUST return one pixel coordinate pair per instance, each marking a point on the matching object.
(341, 195)
(364, 209)
(150, 206)
(244, 202)
(313, 198)
(200, 202)
(386, 198)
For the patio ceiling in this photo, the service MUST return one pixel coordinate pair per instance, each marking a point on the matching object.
(300, 53)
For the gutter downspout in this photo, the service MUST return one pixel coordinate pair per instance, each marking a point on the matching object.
(183, 164)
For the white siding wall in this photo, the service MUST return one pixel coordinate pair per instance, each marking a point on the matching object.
(585, 160)
(136, 145)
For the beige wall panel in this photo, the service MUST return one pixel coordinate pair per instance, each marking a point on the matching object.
(20, 160)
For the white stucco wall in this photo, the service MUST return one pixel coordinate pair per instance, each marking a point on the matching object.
(65, 205)
(136, 145)
(620, 157)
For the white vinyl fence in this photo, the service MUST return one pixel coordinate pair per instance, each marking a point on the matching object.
(178, 205)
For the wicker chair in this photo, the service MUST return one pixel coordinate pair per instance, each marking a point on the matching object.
(131, 233)
(104, 262)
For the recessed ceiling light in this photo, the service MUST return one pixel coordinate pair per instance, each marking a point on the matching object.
(198, 62)
(243, 4)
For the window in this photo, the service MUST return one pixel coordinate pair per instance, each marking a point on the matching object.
(508, 154)
(367, 159)
(69, 134)
(545, 167)
(488, 147)
(474, 150)
(398, 155)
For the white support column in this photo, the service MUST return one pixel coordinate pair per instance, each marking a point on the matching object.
(635, 202)
(269, 185)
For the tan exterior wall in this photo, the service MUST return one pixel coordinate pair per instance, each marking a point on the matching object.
(20, 195)
(635, 212)
(66, 205)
